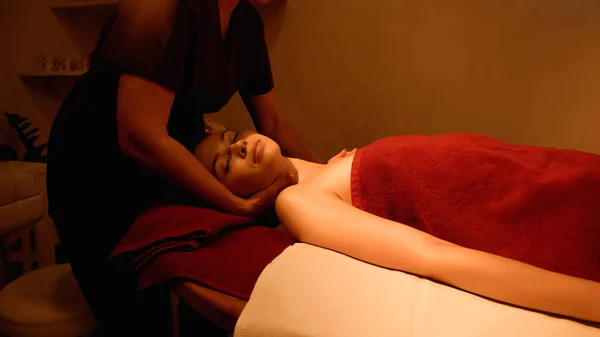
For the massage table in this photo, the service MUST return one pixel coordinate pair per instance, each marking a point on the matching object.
(310, 291)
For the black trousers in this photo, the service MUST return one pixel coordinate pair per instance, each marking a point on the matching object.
(112, 295)
(92, 211)
(94, 195)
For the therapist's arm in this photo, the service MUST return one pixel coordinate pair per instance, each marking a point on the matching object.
(270, 121)
(336, 225)
(143, 110)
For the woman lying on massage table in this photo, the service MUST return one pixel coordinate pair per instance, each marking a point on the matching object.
(517, 224)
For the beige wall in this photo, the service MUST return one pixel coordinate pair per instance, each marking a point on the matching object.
(351, 71)
(29, 28)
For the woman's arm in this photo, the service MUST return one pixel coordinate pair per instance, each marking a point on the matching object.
(325, 220)
(143, 111)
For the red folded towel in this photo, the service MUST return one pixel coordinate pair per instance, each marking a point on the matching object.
(224, 251)
(169, 227)
(536, 205)
(231, 264)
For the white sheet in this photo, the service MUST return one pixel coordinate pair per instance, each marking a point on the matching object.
(309, 291)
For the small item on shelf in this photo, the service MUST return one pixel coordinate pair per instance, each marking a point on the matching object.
(60, 65)
(48, 62)
(64, 64)
(82, 3)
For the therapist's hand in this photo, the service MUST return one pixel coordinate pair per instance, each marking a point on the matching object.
(263, 202)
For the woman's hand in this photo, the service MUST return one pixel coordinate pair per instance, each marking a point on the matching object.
(263, 202)
(343, 154)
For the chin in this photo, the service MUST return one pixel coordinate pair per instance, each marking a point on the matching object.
(272, 151)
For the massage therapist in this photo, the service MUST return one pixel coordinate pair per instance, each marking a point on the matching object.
(124, 135)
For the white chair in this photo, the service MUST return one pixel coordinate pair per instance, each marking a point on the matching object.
(47, 301)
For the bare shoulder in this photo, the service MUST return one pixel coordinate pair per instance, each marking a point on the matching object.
(294, 195)
(332, 182)
(297, 199)
(299, 206)
(335, 179)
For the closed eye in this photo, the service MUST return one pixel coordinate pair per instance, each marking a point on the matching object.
(228, 164)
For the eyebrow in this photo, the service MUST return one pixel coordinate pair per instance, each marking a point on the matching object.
(214, 163)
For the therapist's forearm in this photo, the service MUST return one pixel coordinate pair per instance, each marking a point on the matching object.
(269, 120)
(143, 110)
(292, 145)
(172, 160)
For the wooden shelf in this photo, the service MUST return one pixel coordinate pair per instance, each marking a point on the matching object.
(52, 73)
(82, 3)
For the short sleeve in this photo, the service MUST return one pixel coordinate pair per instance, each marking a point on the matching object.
(260, 79)
(149, 39)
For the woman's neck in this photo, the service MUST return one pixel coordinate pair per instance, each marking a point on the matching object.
(306, 170)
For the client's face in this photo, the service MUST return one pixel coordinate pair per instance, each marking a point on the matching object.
(246, 162)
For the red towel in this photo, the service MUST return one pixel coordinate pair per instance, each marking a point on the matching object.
(223, 251)
(169, 227)
(231, 264)
(536, 205)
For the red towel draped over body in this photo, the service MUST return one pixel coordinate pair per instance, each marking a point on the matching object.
(536, 205)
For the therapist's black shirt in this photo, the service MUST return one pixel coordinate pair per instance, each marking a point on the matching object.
(180, 46)
(177, 44)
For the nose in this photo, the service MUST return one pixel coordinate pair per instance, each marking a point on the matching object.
(239, 148)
